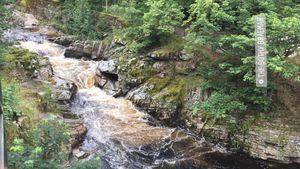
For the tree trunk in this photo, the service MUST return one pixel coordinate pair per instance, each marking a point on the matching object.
(106, 5)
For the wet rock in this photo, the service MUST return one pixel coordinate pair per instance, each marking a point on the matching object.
(140, 97)
(68, 114)
(64, 91)
(15, 35)
(77, 131)
(76, 51)
(109, 85)
(107, 67)
(79, 154)
(62, 40)
(100, 81)
(88, 49)
(44, 71)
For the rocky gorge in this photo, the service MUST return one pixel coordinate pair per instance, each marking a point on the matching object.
(163, 84)
(160, 84)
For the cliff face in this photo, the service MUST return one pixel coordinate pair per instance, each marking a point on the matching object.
(166, 86)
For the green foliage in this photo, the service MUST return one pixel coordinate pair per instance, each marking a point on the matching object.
(219, 105)
(47, 150)
(162, 17)
(228, 28)
(11, 101)
(148, 23)
(80, 23)
(77, 17)
(3, 49)
(237, 128)
(21, 59)
(7, 19)
(93, 163)
(6, 22)
(47, 102)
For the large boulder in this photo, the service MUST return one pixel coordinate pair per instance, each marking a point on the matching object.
(164, 97)
(44, 70)
(87, 49)
(64, 91)
(109, 67)
(62, 40)
(78, 131)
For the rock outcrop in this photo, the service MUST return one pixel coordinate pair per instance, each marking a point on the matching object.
(165, 86)
(78, 131)
(64, 91)
(267, 141)
(44, 69)
(88, 49)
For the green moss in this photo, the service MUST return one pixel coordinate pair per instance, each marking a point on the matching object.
(141, 73)
(173, 90)
(133, 68)
(156, 84)
(173, 93)
(22, 56)
(19, 62)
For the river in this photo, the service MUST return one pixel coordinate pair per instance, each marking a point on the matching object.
(126, 137)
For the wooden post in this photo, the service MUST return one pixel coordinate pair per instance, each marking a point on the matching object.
(3, 153)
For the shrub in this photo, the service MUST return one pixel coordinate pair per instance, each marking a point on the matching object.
(3, 49)
(48, 148)
(148, 23)
(47, 103)
(219, 105)
(11, 101)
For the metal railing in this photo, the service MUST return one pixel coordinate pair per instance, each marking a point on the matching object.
(3, 153)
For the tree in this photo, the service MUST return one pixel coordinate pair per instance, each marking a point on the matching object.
(162, 17)
(150, 22)
(228, 27)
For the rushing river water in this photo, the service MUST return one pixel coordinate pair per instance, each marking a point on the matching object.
(127, 137)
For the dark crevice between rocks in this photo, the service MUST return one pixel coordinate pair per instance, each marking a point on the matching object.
(112, 77)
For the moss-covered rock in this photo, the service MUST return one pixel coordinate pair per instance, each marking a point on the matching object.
(22, 64)
(131, 70)
(164, 97)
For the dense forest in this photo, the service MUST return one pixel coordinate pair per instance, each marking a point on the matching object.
(216, 38)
